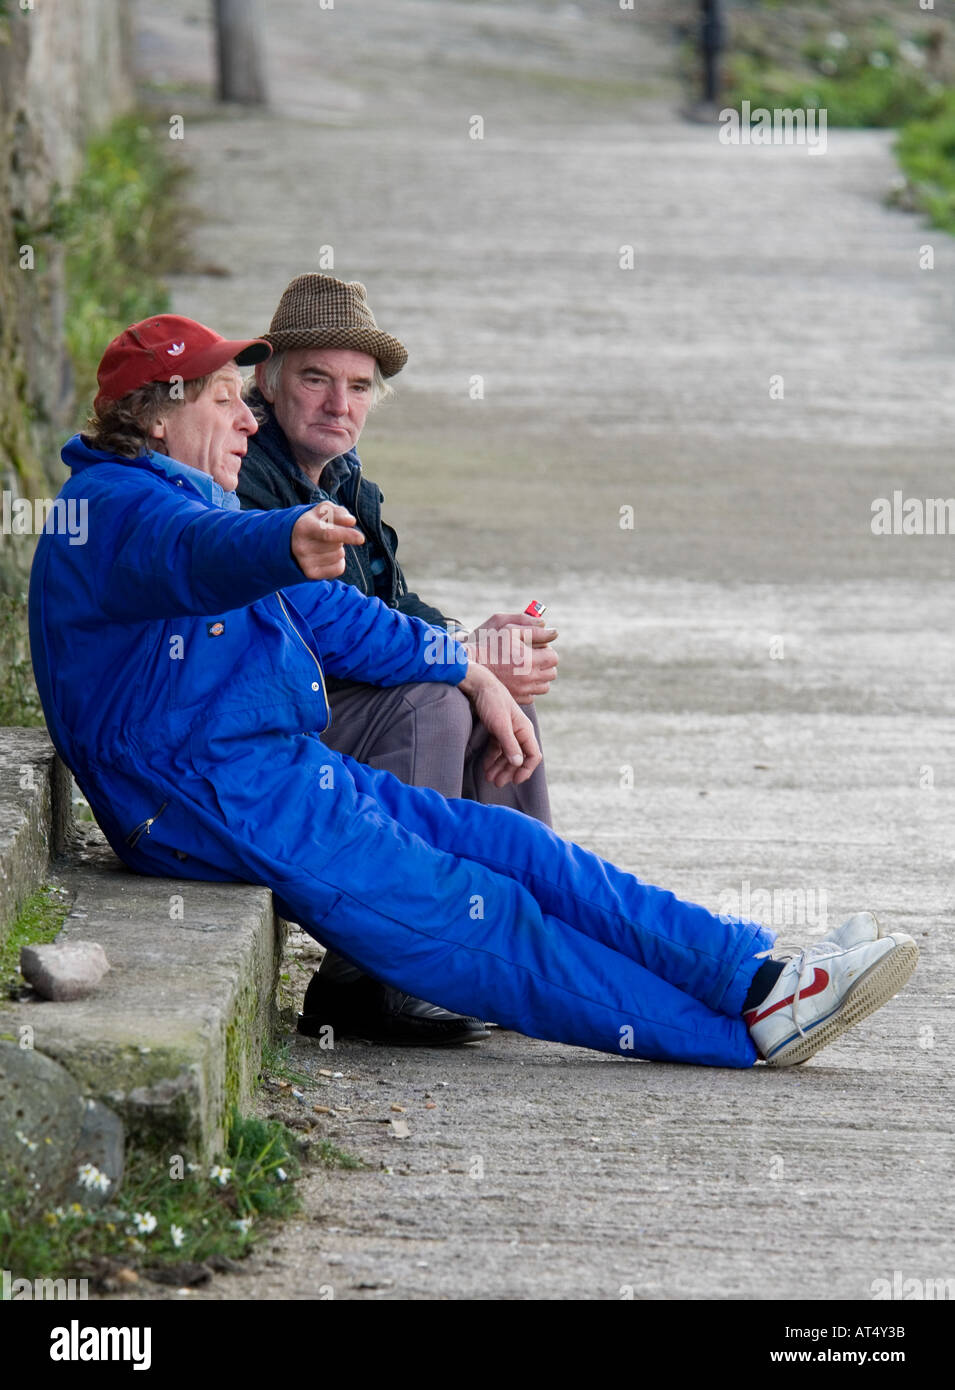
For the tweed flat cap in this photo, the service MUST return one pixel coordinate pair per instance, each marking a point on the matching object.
(320, 311)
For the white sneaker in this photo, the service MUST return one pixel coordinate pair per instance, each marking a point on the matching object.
(854, 930)
(828, 988)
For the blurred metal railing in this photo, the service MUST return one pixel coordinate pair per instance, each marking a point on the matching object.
(712, 42)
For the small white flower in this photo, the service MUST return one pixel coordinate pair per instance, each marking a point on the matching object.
(90, 1177)
(242, 1225)
(838, 41)
(144, 1223)
(177, 1235)
(193, 1167)
(30, 1143)
(879, 60)
(220, 1175)
(281, 1175)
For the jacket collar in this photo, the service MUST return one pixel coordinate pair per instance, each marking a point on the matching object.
(78, 455)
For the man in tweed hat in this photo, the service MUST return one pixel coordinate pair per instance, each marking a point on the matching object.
(330, 365)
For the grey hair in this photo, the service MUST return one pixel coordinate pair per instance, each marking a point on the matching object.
(272, 372)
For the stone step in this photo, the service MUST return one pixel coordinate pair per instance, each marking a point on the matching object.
(172, 1036)
(35, 815)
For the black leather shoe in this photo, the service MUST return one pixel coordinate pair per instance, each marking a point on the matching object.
(356, 1006)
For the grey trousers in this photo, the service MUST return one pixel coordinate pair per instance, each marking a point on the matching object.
(427, 735)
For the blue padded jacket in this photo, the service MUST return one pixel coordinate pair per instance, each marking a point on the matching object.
(181, 621)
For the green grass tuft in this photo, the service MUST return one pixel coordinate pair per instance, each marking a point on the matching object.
(19, 701)
(168, 1211)
(123, 229)
(869, 97)
(37, 923)
(877, 66)
(330, 1156)
(276, 1062)
(926, 152)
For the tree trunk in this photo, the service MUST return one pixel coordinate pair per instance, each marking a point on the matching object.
(239, 42)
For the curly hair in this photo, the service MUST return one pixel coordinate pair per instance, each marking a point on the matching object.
(123, 427)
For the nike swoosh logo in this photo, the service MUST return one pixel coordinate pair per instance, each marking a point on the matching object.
(819, 983)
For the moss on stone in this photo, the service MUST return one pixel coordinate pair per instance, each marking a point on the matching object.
(243, 1048)
(122, 229)
(38, 922)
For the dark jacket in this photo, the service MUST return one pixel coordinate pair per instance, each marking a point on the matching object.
(271, 478)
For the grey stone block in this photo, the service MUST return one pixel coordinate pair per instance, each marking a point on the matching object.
(173, 1034)
(35, 815)
(102, 1143)
(64, 971)
(41, 1119)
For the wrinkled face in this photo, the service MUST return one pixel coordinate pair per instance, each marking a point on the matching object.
(320, 400)
(211, 432)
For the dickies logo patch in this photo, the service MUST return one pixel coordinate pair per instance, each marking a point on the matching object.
(215, 629)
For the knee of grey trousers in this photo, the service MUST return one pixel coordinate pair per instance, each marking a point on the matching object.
(419, 732)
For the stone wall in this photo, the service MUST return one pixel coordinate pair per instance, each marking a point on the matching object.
(64, 74)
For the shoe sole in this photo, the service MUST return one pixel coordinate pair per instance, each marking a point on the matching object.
(461, 1041)
(876, 987)
(310, 1026)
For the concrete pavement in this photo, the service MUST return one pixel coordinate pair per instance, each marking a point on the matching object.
(755, 700)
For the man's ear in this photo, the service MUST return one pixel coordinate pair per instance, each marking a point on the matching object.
(157, 430)
(260, 383)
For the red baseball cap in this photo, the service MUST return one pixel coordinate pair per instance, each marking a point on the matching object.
(168, 346)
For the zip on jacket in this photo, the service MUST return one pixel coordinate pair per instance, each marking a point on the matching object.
(318, 665)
